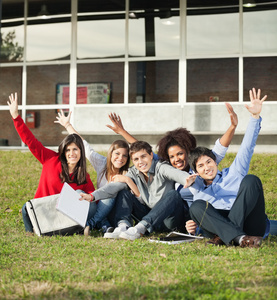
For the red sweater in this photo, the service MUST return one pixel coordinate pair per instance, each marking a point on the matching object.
(49, 182)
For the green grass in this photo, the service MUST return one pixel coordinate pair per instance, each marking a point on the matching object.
(76, 267)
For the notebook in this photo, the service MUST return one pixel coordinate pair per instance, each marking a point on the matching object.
(70, 205)
(176, 238)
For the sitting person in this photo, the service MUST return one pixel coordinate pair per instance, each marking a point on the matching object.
(108, 169)
(175, 146)
(159, 207)
(68, 165)
(229, 205)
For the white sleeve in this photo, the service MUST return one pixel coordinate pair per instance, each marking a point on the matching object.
(97, 160)
(219, 151)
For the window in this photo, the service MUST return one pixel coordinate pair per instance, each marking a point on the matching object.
(153, 81)
(212, 80)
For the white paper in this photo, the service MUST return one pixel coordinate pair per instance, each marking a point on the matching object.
(70, 205)
(176, 238)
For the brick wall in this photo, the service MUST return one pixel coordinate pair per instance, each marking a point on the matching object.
(104, 72)
(212, 78)
(206, 77)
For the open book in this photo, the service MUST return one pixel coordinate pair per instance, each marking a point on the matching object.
(70, 205)
(176, 238)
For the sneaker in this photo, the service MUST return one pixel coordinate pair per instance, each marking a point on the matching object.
(251, 241)
(105, 229)
(130, 234)
(87, 231)
(113, 234)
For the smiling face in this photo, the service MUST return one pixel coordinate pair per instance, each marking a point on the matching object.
(119, 158)
(72, 154)
(142, 161)
(177, 157)
(206, 168)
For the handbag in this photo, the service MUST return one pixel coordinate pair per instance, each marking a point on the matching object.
(47, 220)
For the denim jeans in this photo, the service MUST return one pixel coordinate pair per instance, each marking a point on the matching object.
(168, 214)
(26, 220)
(273, 227)
(99, 218)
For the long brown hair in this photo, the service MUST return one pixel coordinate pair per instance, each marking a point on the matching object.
(109, 169)
(80, 171)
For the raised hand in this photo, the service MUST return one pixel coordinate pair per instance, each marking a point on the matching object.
(119, 129)
(13, 105)
(233, 115)
(255, 106)
(62, 119)
(116, 120)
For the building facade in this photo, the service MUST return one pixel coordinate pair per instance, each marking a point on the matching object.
(158, 64)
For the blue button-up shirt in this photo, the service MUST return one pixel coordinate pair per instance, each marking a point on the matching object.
(223, 191)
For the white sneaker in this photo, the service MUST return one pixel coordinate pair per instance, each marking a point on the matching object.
(114, 234)
(105, 229)
(130, 234)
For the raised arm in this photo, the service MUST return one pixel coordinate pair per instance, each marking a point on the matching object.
(13, 105)
(226, 139)
(242, 161)
(38, 150)
(65, 122)
(118, 128)
(256, 104)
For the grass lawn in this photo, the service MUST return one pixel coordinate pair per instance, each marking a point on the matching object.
(76, 267)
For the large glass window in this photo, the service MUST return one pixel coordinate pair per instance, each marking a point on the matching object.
(153, 81)
(42, 83)
(212, 33)
(212, 80)
(48, 31)
(100, 83)
(8, 134)
(12, 32)
(101, 38)
(101, 29)
(260, 29)
(154, 29)
(10, 82)
(260, 72)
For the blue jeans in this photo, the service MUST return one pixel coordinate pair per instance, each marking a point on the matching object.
(99, 218)
(168, 214)
(273, 227)
(26, 220)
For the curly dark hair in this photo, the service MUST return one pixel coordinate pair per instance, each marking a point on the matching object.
(180, 137)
